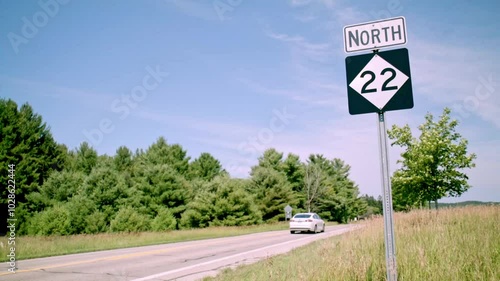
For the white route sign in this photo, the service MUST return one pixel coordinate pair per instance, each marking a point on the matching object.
(375, 34)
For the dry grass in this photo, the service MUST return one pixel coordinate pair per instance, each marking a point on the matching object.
(38, 246)
(448, 244)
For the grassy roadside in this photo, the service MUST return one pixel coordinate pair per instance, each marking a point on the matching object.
(34, 246)
(448, 244)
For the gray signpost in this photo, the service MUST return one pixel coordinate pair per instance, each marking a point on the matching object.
(379, 82)
(288, 212)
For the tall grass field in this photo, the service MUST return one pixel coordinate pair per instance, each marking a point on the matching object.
(446, 244)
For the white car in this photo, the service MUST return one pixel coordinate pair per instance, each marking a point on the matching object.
(310, 222)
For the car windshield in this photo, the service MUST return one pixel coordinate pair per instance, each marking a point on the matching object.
(303, 216)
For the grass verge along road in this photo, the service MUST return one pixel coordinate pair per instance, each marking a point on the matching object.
(447, 244)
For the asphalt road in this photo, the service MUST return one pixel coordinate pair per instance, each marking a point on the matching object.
(178, 261)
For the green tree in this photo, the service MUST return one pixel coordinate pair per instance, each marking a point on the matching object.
(272, 191)
(27, 143)
(80, 208)
(373, 206)
(161, 186)
(96, 223)
(55, 220)
(313, 185)
(123, 159)
(432, 166)
(86, 158)
(338, 200)
(205, 167)
(271, 159)
(290, 166)
(161, 152)
(106, 188)
(294, 171)
(221, 202)
(164, 220)
(59, 187)
(129, 220)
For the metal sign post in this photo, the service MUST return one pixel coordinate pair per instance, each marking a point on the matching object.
(390, 246)
(376, 83)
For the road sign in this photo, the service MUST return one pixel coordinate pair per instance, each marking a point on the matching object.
(288, 212)
(375, 34)
(379, 82)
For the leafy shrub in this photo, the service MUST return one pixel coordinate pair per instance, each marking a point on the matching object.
(129, 220)
(164, 220)
(52, 221)
(222, 202)
(96, 223)
(79, 208)
(192, 219)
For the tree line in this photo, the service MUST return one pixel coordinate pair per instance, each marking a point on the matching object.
(61, 191)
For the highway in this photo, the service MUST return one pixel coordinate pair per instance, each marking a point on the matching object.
(177, 261)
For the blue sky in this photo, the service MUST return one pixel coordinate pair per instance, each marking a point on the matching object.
(234, 77)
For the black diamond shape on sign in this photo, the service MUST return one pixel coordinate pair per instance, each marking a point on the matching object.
(379, 76)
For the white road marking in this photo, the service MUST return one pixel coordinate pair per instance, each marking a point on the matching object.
(161, 274)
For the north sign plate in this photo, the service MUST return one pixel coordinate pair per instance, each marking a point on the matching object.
(375, 34)
(379, 82)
